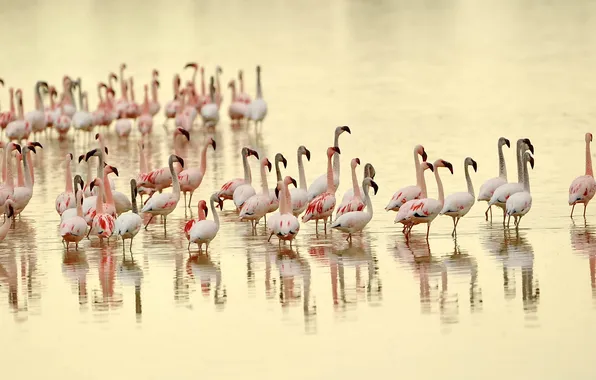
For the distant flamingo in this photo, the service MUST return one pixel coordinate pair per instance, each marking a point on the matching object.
(237, 109)
(321, 207)
(408, 193)
(319, 185)
(257, 109)
(583, 188)
(70, 212)
(37, 117)
(355, 203)
(154, 105)
(202, 215)
(210, 111)
(171, 107)
(74, 229)
(457, 205)
(488, 188)
(66, 199)
(82, 120)
(143, 170)
(218, 94)
(145, 120)
(369, 171)
(192, 85)
(20, 128)
(121, 105)
(8, 116)
(273, 200)
(191, 178)
(133, 110)
(355, 221)
(299, 196)
(128, 225)
(242, 96)
(103, 223)
(67, 102)
(160, 179)
(204, 231)
(229, 188)
(255, 207)
(53, 111)
(7, 188)
(8, 219)
(520, 203)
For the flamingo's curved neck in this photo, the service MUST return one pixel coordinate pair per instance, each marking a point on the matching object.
(277, 169)
(264, 186)
(203, 166)
(302, 175)
(589, 160)
(214, 212)
(502, 166)
(520, 169)
(175, 183)
(85, 105)
(469, 180)
(288, 202)
(330, 183)
(99, 95)
(423, 193)
(154, 91)
(259, 88)
(440, 186)
(203, 91)
(108, 189)
(99, 200)
(419, 172)
(133, 198)
(336, 157)
(247, 174)
(282, 197)
(526, 177)
(176, 86)
(355, 186)
(69, 188)
(12, 108)
(79, 206)
(20, 178)
(369, 208)
(38, 98)
(21, 115)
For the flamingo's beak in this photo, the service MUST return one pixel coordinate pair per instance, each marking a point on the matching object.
(294, 182)
(253, 153)
(374, 185)
(424, 156)
(185, 133)
(35, 143)
(268, 163)
(90, 154)
(307, 154)
(180, 160)
(448, 166)
(115, 170)
(336, 149)
(431, 167)
(220, 201)
(531, 162)
(277, 193)
(284, 161)
(475, 166)
(345, 128)
(358, 161)
(17, 148)
(71, 156)
(213, 143)
(10, 211)
(91, 185)
(206, 210)
(507, 143)
(81, 157)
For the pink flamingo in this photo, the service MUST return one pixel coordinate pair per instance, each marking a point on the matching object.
(202, 215)
(67, 100)
(19, 129)
(144, 169)
(227, 190)
(160, 179)
(99, 115)
(103, 222)
(192, 85)
(9, 116)
(52, 112)
(583, 188)
(63, 123)
(7, 188)
(321, 207)
(133, 110)
(66, 199)
(354, 203)
(191, 178)
(408, 193)
(154, 106)
(237, 109)
(171, 107)
(402, 213)
(242, 96)
(122, 103)
(145, 121)
(284, 225)
(23, 193)
(8, 219)
(111, 112)
(256, 207)
(218, 94)
(36, 117)
(73, 229)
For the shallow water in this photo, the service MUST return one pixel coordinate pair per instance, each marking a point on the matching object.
(452, 76)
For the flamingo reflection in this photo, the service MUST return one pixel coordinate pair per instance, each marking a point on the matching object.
(582, 241)
(75, 268)
(201, 267)
(106, 298)
(129, 273)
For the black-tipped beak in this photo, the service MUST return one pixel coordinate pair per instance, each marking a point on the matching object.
(531, 159)
(10, 211)
(2, 82)
(294, 183)
(32, 148)
(284, 161)
(220, 201)
(206, 210)
(213, 144)
(424, 156)
(336, 149)
(529, 144)
(374, 185)
(191, 64)
(90, 154)
(277, 192)
(268, 165)
(180, 160)
(253, 153)
(35, 143)
(307, 154)
(105, 148)
(115, 170)
(508, 143)
(157, 83)
(448, 166)
(96, 136)
(18, 148)
(475, 166)
(71, 156)
(81, 157)
(345, 128)
(358, 161)
(91, 185)
(431, 167)
(185, 133)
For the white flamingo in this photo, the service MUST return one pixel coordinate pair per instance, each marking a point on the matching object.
(37, 117)
(402, 213)
(228, 189)
(583, 188)
(191, 178)
(355, 221)
(321, 207)
(354, 203)
(128, 225)
(7, 188)
(257, 205)
(204, 231)
(299, 195)
(23, 194)
(409, 193)
(74, 229)
(319, 185)
(457, 205)
(257, 109)
(20, 128)
(210, 111)
(369, 171)
(70, 212)
(488, 188)
(520, 203)
(284, 224)
(273, 201)
(66, 199)
(164, 203)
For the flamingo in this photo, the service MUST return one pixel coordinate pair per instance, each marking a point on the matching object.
(242, 96)
(488, 188)
(369, 171)
(164, 203)
(583, 188)
(145, 120)
(70, 212)
(67, 102)
(7, 188)
(144, 169)
(62, 123)
(154, 105)
(121, 105)
(171, 107)
(37, 117)
(319, 185)
(128, 110)
(8, 116)
(18, 129)
(355, 221)
(8, 220)
(74, 229)
(355, 203)
(321, 207)
(228, 189)
(203, 97)
(191, 86)
(425, 210)
(82, 120)
(284, 224)
(408, 193)
(53, 111)
(202, 215)
(204, 231)
(503, 192)
(99, 115)
(66, 199)
(191, 178)
(210, 111)
(218, 95)
(111, 113)
(132, 110)
(457, 205)
(103, 222)
(257, 109)
(160, 179)
(128, 225)
(299, 195)
(273, 201)
(257, 205)
(520, 203)
(109, 206)
(237, 109)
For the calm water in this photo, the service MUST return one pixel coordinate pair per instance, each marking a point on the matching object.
(453, 76)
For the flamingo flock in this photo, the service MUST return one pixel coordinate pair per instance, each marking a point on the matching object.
(93, 208)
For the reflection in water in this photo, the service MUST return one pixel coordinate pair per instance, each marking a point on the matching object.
(129, 273)
(200, 267)
(582, 241)
(75, 268)
(515, 252)
(106, 298)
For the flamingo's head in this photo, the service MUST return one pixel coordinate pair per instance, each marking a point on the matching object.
(528, 157)
(184, 132)
(588, 137)
(420, 150)
(355, 162)
(240, 75)
(14, 146)
(232, 83)
(340, 130)
(529, 144)
(265, 162)
(178, 159)
(102, 85)
(34, 144)
(155, 73)
(111, 92)
(427, 165)
(215, 197)
(9, 205)
(280, 158)
(203, 207)
(332, 150)
(78, 180)
(53, 91)
(302, 150)
(113, 76)
(218, 69)
(212, 143)
(2, 81)
(369, 171)
(288, 180)
(193, 65)
(368, 181)
(250, 152)
(81, 158)
(504, 141)
(110, 169)
(156, 83)
(122, 66)
(470, 161)
(95, 182)
(444, 164)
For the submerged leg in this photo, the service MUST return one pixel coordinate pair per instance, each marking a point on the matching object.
(149, 221)
(486, 213)
(427, 231)
(454, 226)
(190, 200)
(572, 208)
(585, 205)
